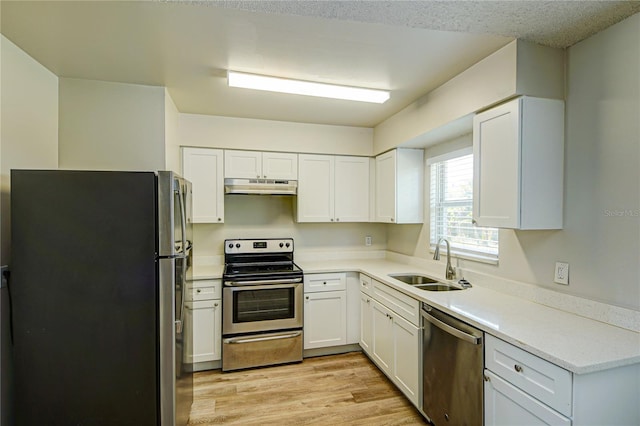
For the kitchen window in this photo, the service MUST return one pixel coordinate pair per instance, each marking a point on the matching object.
(451, 208)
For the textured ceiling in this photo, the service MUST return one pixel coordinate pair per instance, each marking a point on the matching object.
(408, 47)
(550, 23)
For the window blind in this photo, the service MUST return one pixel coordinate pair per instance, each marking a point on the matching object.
(451, 210)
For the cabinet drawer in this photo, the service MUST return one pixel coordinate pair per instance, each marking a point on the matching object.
(204, 290)
(325, 282)
(504, 404)
(539, 378)
(365, 284)
(402, 304)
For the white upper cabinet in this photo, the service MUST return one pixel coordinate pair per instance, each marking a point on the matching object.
(518, 151)
(260, 165)
(279, 165)
(333, 188)
(352, 189)
(399, 186)
(315, 188)
(203, 168)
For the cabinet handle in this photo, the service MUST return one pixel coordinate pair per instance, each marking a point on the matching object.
(324, 283)
(215, 305)
(391, 219)
(219, 219)
(331, 219)
(337, 219)
(487, 378)
(307, 297)
(518, 368)
(198, 290)
(368, 301)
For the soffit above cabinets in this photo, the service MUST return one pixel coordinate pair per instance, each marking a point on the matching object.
(187, 46)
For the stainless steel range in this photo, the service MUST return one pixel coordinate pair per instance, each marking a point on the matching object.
(261, 304)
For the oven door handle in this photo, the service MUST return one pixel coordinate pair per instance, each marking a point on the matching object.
(263, 339)
(262, 282)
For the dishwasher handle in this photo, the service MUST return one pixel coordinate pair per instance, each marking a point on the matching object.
(475, 340)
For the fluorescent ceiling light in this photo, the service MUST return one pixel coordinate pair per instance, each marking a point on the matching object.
(298, 87)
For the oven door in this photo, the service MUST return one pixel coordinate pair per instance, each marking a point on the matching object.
(250, 308)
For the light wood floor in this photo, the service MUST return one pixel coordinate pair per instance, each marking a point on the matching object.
(329, 390)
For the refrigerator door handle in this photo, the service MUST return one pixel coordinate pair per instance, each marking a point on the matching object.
(183, 217)
(185, 251)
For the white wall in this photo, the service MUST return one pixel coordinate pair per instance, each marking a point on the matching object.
(111, 126)
(601, 235)
(266, 135)
(171, 139)
(29, 134)
(519, 68)
(256, 216)
(28, 139)
(273, 216)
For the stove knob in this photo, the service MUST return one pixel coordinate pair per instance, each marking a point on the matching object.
(287, 245)
(281, 245)
(230, 245)
(237, 245)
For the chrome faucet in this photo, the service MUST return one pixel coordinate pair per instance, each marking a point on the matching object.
(449, 272)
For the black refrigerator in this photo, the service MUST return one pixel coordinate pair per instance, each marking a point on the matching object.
(99, 262)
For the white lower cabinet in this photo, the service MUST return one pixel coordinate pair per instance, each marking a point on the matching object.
(505, 404)
(325, 310)
(391, 341)
(523, 389)
(366, 323)
(203, 312)
(382, 330)
(406, 358)
(325, 319)
(205, 317)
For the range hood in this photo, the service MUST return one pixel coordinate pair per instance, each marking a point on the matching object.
(260, 186)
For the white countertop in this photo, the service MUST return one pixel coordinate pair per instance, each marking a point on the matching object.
(580, 345)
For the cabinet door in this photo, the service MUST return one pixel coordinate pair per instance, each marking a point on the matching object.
(242, 164)
(406, 348)
(353, 308)
(382, 340)
(366, 323)
(496, 168)
(205, 340)
(279, 165)
(385, 199)
(315, 188)
(506, 405)
(325, 319)
(203, 167)
(351, 189)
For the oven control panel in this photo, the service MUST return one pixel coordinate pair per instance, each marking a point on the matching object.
(269, 245)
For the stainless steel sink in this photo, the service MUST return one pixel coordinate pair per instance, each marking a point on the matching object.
(413, 279)
(437, 287)
(423, 283)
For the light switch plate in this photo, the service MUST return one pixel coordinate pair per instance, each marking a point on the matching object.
(367, 241)
(562, 273)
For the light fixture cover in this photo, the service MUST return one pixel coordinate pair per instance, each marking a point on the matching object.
(308, 88)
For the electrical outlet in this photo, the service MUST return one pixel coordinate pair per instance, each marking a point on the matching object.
(562, 273)
(367, 241)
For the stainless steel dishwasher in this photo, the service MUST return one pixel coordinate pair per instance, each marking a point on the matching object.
(452, 363)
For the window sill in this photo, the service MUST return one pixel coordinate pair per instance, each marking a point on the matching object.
(488, 259)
